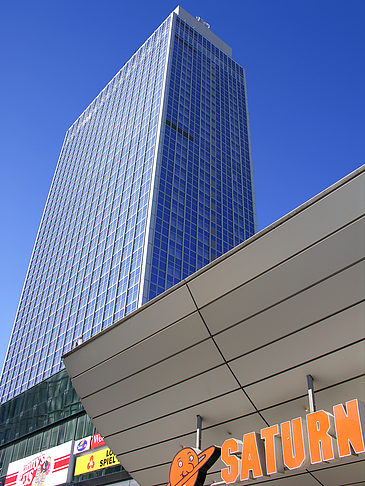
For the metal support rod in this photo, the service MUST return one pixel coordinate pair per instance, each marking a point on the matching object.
(312, 403)
(198, 432)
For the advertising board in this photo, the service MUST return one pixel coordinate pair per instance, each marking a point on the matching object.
(96, 460)
(46, 468)
(96, 441)
(87, 443)
(82, 445)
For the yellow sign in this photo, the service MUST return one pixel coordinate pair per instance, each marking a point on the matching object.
(96, 460)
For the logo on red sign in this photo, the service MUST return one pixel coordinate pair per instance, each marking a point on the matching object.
(36, 470)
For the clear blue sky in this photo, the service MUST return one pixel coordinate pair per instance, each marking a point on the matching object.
(305, 68)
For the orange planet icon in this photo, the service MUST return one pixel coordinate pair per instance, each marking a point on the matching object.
(190, 466)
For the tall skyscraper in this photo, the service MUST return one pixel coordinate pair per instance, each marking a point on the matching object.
(153, 182)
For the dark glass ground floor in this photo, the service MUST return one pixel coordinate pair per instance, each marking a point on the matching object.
(45, 416)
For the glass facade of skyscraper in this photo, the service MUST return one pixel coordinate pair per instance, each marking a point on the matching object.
(153, 182)
(85, 269)
(204, 201)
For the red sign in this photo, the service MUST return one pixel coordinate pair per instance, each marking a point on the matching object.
(96, 441)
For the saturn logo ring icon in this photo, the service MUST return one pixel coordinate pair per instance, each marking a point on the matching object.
(189, 466)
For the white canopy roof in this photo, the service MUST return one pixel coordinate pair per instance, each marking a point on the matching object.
(234, 343)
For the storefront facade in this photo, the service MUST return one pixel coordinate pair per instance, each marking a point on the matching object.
(235, 343)
(44, 432)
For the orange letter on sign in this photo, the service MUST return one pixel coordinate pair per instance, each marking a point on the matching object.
(293, 443)
(350, 428)
(320, 428)
(229, 447)
(273, 452)
(252, 464)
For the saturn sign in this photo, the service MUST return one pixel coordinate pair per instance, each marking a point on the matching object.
(291, 445)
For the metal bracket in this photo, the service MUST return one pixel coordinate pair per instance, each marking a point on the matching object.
(312, 403)
(198, 432)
